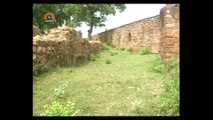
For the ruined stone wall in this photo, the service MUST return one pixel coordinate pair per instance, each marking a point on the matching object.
(159, 33)
(169, 42)
(61, 47)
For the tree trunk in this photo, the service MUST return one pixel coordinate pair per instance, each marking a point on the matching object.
(90, 30)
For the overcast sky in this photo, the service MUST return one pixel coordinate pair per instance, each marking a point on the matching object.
(133, 12)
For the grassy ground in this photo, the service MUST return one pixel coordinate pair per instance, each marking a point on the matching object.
(102, 89)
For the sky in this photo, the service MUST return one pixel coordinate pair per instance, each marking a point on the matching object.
(133, 12)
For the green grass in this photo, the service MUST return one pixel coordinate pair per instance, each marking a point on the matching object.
(101, 89)
(108, 61)
(167, 104)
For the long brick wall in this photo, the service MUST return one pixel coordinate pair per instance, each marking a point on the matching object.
(143, 33)
(160, 34)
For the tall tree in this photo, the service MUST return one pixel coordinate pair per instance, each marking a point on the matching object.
(94, 15)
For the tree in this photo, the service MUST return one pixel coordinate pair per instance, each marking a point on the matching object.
(40, 9)
(94, 15)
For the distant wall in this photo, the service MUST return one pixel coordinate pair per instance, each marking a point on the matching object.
(159, 33)
(61, 47)
(143, 33)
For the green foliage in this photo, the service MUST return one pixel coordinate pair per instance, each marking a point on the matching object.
(170, 99)
(57, 109)
(40, 9)
(97, 55)
(173, 62)
(60, 91)
(104, 47)
(113, 53)
(130, 50)
(110, 44)
(92, 57)
(172, 65)
(108, 61)
(107, 46)
(144, 51)
(168, 103)
(94, 15)
(158, 66)
(122, 49)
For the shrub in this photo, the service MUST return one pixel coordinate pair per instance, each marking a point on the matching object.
(57, 109)
(130, 50)
(122, 49)
(144, 51)
(108, 61)
(159, 68)
(97, 56)
(92, 57)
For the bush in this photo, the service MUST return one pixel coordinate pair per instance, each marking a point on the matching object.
(122, 49)
(57, 109)
(97, 56)
(92, 57)
(144, 51)
(108, 61)
(130, 50)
